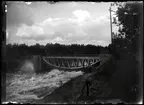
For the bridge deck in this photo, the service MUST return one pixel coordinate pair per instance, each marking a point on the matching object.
(73, 57)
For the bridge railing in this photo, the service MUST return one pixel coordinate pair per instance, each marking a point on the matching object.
(76, 55)
(73, 57)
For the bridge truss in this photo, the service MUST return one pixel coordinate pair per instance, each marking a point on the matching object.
(71, 62)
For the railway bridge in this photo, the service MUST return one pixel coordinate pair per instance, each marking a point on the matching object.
(65, 62)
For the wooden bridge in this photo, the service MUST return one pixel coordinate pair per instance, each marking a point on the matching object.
(71, 62)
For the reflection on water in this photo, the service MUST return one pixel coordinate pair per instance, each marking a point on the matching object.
(25, 87)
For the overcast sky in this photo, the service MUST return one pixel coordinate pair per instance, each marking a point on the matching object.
(62, 22)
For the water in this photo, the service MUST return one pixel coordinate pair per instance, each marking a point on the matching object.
(27, 66)
(24, 87)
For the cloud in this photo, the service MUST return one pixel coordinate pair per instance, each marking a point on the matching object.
(19, 13)
(29, 31)
(67, 30)
(81, 15)
(63, 23)
(57, 39)
(50, 27)
(28, 3)
(102, 19)
(94, 41)
(26, 41)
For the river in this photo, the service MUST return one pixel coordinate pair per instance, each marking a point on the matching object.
(25, 87)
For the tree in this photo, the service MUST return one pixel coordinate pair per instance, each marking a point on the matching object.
(129, 14)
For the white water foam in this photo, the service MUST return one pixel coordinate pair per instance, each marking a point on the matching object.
(24, 87)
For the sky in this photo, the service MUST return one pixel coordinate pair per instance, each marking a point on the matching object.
(62, 22)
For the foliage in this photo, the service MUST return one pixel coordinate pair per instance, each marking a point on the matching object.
(17, 51)
(129, 14)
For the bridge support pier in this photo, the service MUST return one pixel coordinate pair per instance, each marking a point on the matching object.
(37, 63)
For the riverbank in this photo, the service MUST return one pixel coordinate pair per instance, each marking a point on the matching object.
(122, 86)
(69, 91)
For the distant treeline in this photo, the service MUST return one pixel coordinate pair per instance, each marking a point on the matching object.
(21, 50)
(17, 53)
